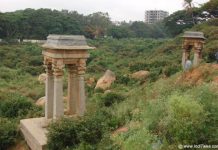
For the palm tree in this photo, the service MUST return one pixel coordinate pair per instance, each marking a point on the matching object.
(188, 5)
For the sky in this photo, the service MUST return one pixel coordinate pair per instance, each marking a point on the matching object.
(119, 10)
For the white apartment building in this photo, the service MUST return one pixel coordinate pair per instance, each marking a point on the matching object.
(153, 16)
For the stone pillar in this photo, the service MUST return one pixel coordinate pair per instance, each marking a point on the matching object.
(197, 55)
(184, 58)
(58, 90)
(81, 107)
(49, 92)
(72, 89)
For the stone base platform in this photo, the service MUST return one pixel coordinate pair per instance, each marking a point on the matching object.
(34, 131)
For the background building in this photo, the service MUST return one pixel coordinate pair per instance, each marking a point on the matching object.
(153, 16)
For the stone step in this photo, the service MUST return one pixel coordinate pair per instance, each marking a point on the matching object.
(34, 132)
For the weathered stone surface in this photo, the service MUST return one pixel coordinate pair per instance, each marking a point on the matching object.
(140, 75)
(42, 78)
(192, 34)
(105, 81)
(34, 132)
(71, 42)
(90, 82)
(107, 91)
(120, 130)
(41, 101)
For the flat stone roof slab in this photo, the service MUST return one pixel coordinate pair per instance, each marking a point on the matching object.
(66, 42)
(192, 34)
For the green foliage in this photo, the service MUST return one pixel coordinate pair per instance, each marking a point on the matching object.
(84, 133)
(15, 105)
(153, 111)
(170, 70)
(185, 121)
(111, 98)
(208, 98)
(8, 133)
(137, 29)
(66, 130)
(123, 79)
(120, 32)
(25, 57)
(37, 24)
(136, 139)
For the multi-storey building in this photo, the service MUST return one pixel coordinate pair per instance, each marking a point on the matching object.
(153, 16)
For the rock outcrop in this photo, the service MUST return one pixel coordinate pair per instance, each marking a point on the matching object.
(41, 101)
(140, 75)
(105, 81)
(42, 78)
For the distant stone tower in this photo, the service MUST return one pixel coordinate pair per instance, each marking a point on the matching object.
(195, 41)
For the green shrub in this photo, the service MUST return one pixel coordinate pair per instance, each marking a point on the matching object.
(107, 143)
(8, 133)
(87, 132)
(138, 66)
(170, 70)
(15, 105)
(99, 90)
(123, 79)
(63, 134)
(185, 121)
(154, 74)
(208, 98)
(138, 139)
(111, 98)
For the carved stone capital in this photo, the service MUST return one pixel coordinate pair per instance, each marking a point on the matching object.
(81, 67)
(48, 67)
(58, 68)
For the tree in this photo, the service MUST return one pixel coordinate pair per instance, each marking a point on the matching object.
(97, 24)
(188, 5)
(120, 32)
(177, 22)
(140, 29)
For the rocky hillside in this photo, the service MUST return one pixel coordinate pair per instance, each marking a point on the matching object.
(159, 107)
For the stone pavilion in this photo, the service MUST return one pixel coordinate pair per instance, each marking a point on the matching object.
(60, 52)
(192, 41)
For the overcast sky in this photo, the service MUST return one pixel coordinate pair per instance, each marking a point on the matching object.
(118, 10)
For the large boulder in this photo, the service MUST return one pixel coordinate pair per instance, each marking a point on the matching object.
(41, 101)
(105, 81)
(140, 75)
(42, 78)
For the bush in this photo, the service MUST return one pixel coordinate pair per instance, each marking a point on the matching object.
(111, 98)
(123, 79)
(63, 133)
(208, 98)
(86, 133)
(139, 139)
(8, 133)
(170, 70)
(185, 121)
(15, 105)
